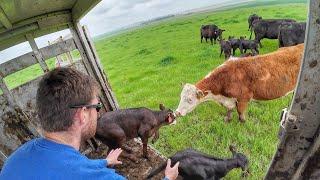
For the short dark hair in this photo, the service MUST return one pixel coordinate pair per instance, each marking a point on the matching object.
(59, 89)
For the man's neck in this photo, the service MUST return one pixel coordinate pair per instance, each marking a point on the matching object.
(63, 138)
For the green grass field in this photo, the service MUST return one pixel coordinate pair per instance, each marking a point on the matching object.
(146, 67)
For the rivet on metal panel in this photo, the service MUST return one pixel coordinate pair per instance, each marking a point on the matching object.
(289, 123)
(313, 64)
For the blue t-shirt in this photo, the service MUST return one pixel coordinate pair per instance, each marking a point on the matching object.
(44, 159)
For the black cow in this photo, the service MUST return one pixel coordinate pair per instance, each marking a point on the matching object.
(210, 32)
(225, 47)
(248, 44)
(251, 18)
(195, 165)
(235, 44)
(291, 34)
(267, 28)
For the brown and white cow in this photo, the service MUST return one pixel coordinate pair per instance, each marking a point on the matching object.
(235, 83)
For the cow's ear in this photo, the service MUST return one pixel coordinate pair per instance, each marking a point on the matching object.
(161, 106)
(233, 149)
(200, 94)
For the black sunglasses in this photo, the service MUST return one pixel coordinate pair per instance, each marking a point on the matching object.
(96, 106)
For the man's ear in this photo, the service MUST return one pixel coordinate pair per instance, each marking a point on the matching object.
(80, 116)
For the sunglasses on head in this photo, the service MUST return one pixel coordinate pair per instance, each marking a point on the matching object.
(96, 106)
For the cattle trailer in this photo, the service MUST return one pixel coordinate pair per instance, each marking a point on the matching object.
(298, 152)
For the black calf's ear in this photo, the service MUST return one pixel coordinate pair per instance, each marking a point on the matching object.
(233, 149)
(161, 106)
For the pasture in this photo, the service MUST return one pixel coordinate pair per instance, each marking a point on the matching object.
(146, 67)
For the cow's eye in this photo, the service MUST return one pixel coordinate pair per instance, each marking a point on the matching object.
(189, 100)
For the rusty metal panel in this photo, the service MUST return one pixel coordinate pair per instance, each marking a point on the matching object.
(300, 143)
(91, 63)
(13, 131)
(29, 59)
(26, 96)
(105, 85)
(58, 48)
(17, 64)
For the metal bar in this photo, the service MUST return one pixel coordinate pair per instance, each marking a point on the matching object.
(36, 33)
(94, 66)
(29, 59)
(110, 94)
(37, 53)
(58, 48)
(35, 19)
(3, 157)
(6, 91)
(18, 31)
(4, 19)
(87, 56)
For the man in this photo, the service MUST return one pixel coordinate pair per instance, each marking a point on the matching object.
(67, 105)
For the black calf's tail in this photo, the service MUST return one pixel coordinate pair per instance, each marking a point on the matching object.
(157, 170)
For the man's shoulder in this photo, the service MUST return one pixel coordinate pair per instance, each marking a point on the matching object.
(25, 148)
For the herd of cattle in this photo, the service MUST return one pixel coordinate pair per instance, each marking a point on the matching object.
(233, 85)
(287, 31)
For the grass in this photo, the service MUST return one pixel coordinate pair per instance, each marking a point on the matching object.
(146, 67)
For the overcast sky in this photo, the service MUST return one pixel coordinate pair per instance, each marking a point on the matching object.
(110, 15)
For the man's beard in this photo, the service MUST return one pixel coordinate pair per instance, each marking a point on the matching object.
(89, 132)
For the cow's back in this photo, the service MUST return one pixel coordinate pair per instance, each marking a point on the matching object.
(291, 34)
(269, 28)
(127, 119)
(261, 77)
(273, 75)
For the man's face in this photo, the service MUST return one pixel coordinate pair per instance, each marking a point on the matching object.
(91, 123)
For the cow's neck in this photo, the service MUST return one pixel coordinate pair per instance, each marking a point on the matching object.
(161, 117)
(209, 84)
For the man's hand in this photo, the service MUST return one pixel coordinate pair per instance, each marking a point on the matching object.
(171, 173)
(112, 157)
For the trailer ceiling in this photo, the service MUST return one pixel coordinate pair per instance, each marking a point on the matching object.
(18, 17)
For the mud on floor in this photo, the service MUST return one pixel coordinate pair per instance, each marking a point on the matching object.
(130, 169)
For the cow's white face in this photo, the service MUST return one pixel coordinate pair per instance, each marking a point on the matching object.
(190, 97)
